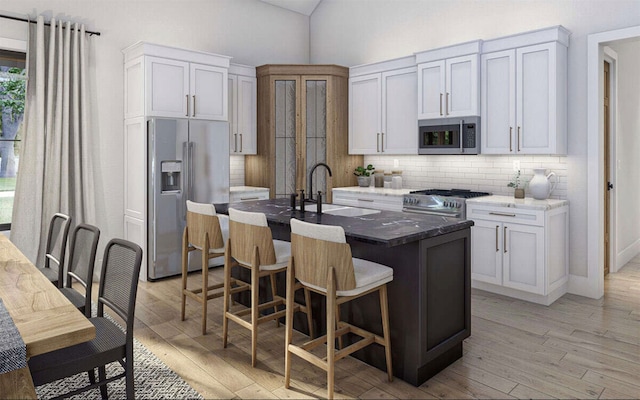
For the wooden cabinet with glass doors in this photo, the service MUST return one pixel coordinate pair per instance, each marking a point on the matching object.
(302, 121)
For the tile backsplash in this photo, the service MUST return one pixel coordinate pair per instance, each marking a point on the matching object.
(237, 171)
(479, 172)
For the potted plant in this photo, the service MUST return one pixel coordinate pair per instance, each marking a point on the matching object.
(364, 175)
(518, 184)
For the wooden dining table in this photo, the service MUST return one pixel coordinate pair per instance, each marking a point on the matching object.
(44, 317)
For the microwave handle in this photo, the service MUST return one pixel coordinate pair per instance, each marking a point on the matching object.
(461, 135)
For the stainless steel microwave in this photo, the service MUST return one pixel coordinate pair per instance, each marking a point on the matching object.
(449, 136)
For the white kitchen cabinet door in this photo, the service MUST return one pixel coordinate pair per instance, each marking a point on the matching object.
(524, 258)
(399, 112)
(461, 95)
(168, 83)
(242, 114)
(486, 248)
(536, 106)
(431, 90)
(365, 111)
(498, 103)
(208, 89)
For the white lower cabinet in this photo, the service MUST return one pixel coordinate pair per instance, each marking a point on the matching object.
(247, 193)
(521, 253)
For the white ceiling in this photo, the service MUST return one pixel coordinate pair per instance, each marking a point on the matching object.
(304, 7)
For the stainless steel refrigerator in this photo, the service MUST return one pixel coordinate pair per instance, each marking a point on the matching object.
(187, 160)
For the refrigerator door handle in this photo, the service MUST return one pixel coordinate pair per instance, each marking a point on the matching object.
(185, 183)
(190, 196)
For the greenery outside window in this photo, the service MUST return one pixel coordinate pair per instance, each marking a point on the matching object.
(12, 100)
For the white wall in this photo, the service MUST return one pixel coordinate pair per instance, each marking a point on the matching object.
(358, 32)
(253, 32)
(627, 144)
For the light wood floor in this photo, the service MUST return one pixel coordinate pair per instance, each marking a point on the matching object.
(576, 348)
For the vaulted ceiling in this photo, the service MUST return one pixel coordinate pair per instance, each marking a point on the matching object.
(304, 7)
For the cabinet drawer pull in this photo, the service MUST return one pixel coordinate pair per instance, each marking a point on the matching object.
(369, 200)
(249, 198)
(497, 248)
(502, 214)
(504, 239)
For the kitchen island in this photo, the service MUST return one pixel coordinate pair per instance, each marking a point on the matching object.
(429, 297)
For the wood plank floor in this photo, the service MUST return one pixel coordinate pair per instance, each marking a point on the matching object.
(576, 348)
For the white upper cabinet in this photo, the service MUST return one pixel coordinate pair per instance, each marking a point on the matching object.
(524, 93)
(208, 92)
(177, 83)
(448, 81)
(242, 110)
(382, 108)
(168, 83)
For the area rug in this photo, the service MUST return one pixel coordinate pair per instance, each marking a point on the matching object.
(153, 380)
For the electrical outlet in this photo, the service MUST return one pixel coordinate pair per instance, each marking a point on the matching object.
(516, 165)
(396, 163)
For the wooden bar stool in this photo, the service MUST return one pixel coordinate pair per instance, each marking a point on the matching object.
(252, 247)
(206, 232)
(321, 261)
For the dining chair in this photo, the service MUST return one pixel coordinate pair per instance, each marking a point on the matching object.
(56, 247)
(206, 232)
(321, 261)
(82, 257)
(117, 290)
(251, 247)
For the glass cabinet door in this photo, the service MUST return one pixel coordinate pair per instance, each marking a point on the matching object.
(285, 126)
(315, 127)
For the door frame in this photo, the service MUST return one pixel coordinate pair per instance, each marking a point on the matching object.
(611, 57)
(593, 284)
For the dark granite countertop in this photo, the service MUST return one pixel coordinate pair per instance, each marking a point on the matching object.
(387, 228)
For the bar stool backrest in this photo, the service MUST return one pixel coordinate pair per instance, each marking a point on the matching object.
(315, 248)
(201, 219)
(248, 230)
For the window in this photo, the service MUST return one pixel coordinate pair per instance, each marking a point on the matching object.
(12, 101)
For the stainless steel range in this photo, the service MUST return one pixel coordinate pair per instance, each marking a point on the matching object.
(442, 202)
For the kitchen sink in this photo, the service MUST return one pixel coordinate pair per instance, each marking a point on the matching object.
(325, 207)
(350, 211)
(337, 209)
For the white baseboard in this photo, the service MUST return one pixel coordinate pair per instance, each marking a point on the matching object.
(627, 254)
(583, 286)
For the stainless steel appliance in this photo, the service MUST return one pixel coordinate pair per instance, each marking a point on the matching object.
(442, 202)
(449, 136)
(187, 160)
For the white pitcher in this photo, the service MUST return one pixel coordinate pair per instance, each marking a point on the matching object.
(540, 185)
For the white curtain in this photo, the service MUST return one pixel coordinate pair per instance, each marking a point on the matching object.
(55, 171)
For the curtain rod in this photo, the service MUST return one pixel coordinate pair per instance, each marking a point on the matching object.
(46, 23)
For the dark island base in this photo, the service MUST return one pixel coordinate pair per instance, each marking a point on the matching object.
(429, 303)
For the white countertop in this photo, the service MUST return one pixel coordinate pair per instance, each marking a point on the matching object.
(247, 189)
(374, 190)
(528, 203)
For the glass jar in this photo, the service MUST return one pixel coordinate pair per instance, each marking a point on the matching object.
(378, 177)
(387, 180)
(396, 179)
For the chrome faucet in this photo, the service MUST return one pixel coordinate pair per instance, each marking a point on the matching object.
(311, 177)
